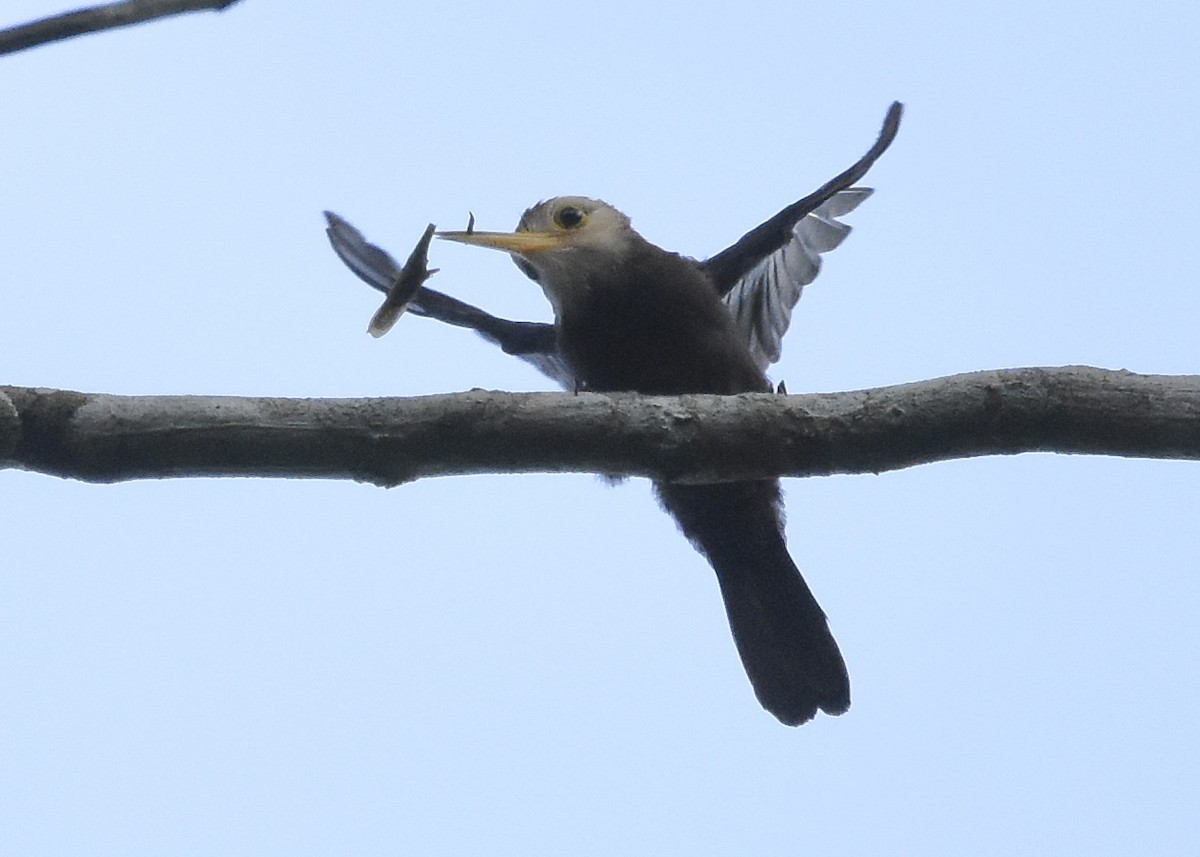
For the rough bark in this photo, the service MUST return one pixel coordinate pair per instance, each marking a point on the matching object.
(387, 441)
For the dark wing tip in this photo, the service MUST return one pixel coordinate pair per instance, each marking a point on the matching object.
(732, 263)
(891, 125)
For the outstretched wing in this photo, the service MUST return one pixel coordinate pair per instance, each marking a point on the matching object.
(762, 275)
(761, 300)
(533, 342)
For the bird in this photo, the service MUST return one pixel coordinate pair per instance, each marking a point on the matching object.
(630, 316)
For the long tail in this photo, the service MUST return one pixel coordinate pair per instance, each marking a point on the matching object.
(781, 633)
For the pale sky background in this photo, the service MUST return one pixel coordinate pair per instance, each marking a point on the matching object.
(540, 665)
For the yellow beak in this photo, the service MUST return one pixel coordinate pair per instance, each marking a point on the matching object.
(522, 243)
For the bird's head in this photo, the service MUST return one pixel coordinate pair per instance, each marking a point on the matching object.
(561, 242)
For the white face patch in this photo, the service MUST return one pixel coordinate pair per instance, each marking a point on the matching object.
(596, 236)
(587, 220)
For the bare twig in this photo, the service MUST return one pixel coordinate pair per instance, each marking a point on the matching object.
(97, 18)
(103, 438)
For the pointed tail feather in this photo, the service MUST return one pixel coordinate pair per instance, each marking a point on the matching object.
(781, 633)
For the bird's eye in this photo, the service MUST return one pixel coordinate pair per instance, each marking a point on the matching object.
(569, 217)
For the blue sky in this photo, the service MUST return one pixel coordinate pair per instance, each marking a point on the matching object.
(540, 664)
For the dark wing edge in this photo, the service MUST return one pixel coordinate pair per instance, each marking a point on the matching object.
(762, 275)
(533, 342)
(761, 301)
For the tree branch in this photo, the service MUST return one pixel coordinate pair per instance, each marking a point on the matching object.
(97, 18)
(387, 441)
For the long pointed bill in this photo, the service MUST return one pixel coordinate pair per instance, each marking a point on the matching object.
(523, 243)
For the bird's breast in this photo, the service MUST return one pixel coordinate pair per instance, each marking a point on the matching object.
(657, 328)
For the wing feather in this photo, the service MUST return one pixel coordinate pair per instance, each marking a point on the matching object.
(534, 342)
(762, 299)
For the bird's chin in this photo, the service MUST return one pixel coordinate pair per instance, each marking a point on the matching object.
(526, 268)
